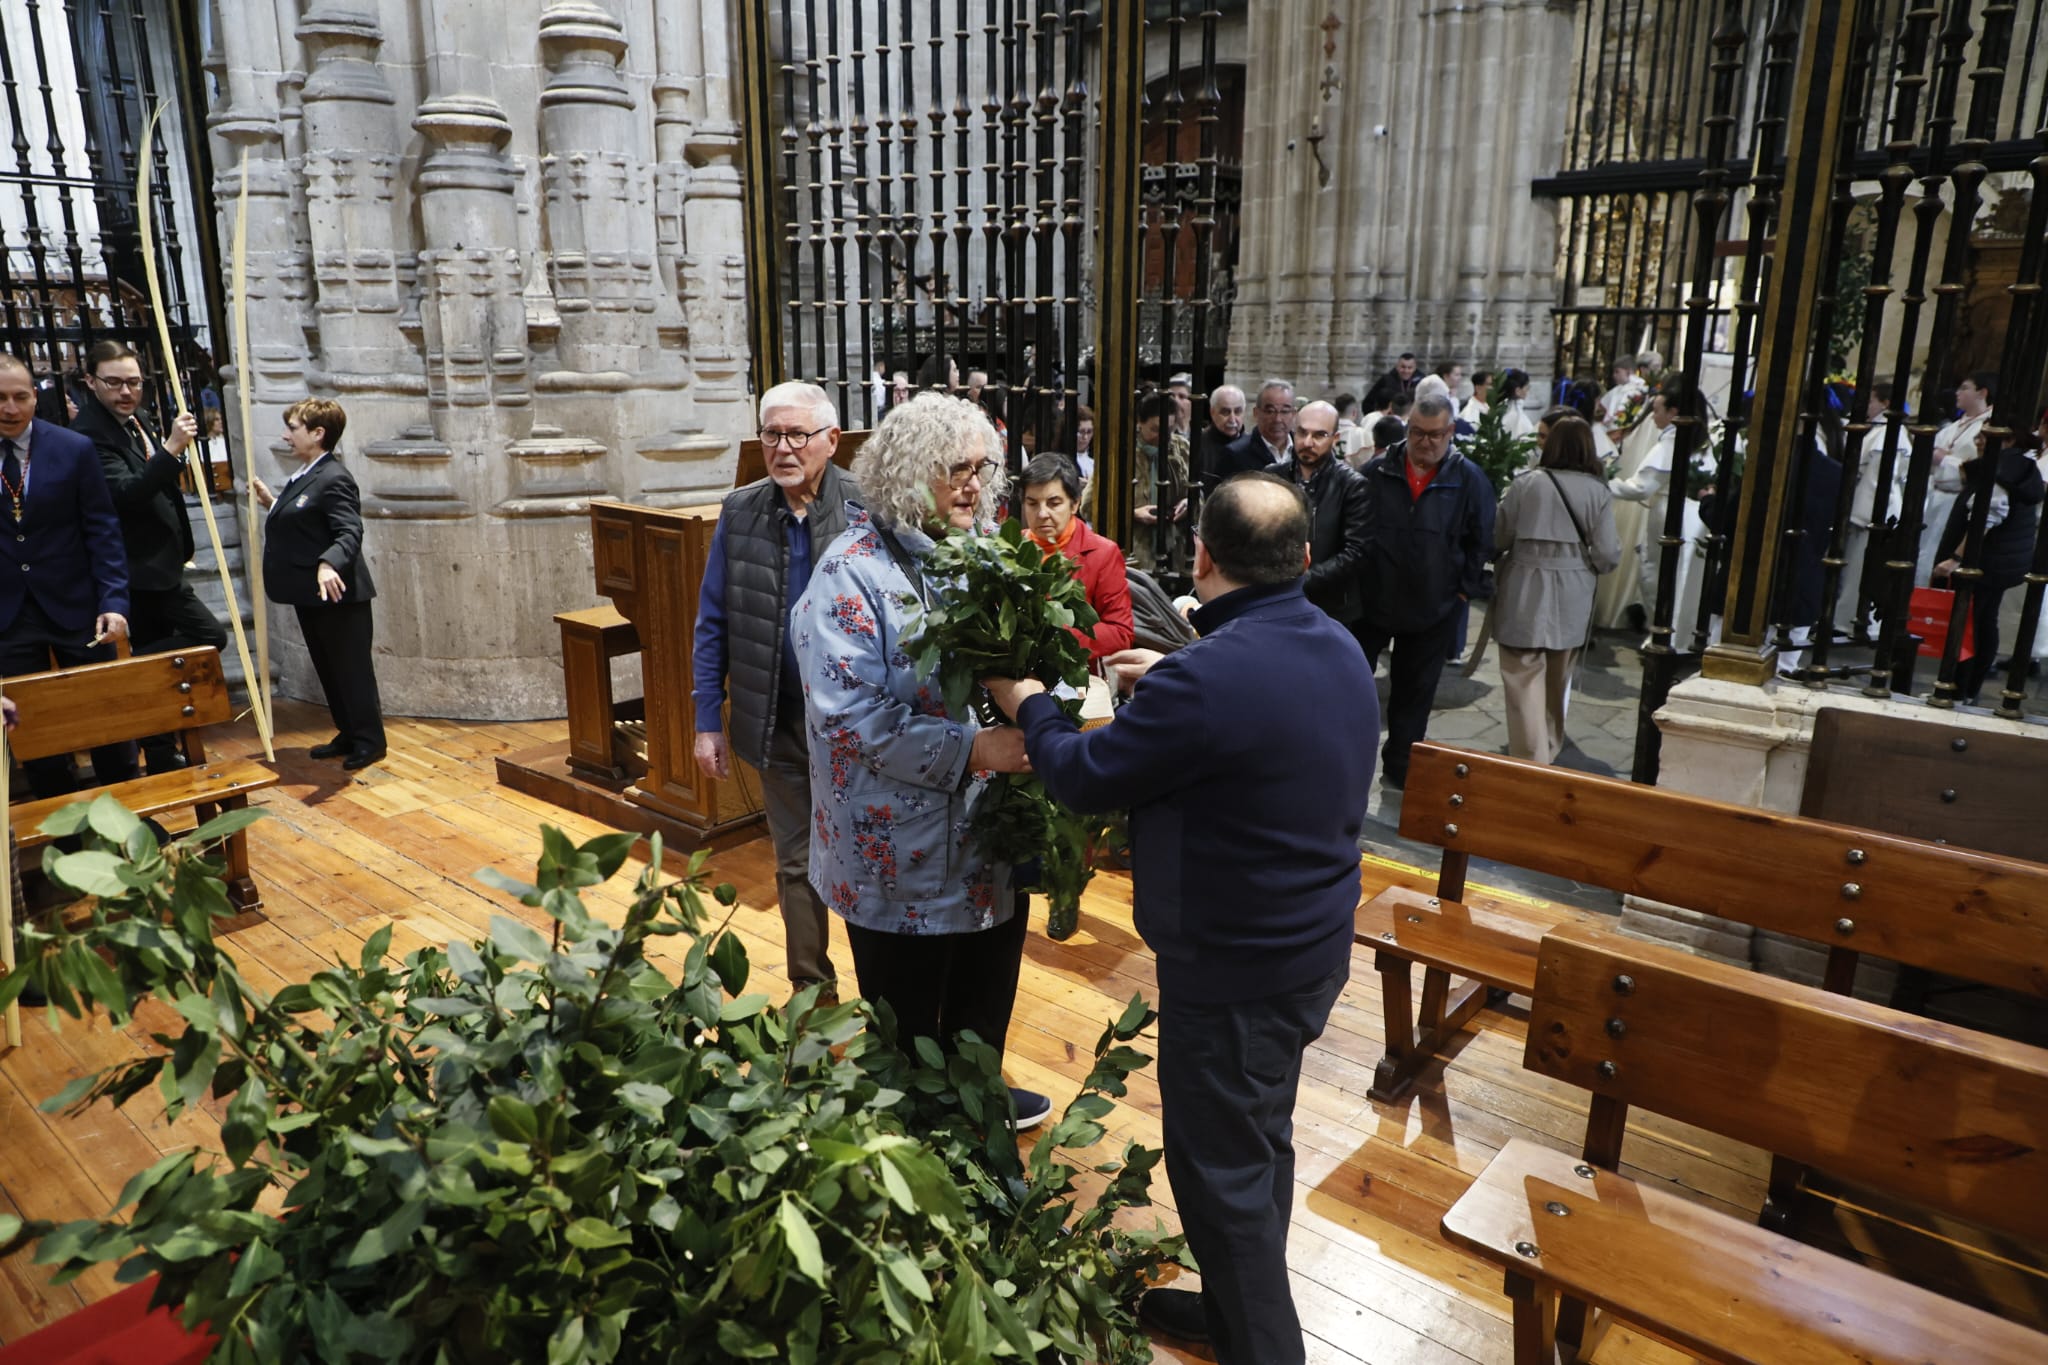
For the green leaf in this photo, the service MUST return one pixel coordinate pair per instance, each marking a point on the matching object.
(609, 852)
(802, 1241)
(67, 821)
(247, 1121)
(222, 825)
(513, 1119)
(593, 1234)
(729, 960)
(93, 872)
(260, 1264)
(517, 940)
(387, 1237)
(510, 885)
(111, 820)
(467, 966)
(904, 1272)
(374, 950)
(565, 1345)
(142, 1182)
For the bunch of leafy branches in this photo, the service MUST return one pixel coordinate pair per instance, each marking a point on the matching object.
(1006, 613)
(1490, 447)
(546, 1150)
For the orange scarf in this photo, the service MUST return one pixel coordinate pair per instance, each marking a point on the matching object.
(1066, 537)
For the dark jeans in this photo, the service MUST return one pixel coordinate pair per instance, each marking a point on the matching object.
(338, 636)
(1227, 1081)
(162, 623)
(28, 646)
(786, 802)
(1984, 605)
(943, 984)
(1412, 673)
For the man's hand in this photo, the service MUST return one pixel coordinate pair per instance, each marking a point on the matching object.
(182, 433)
(998, 749)
(1180, 510)
(332, 589)
(714, 755)
(1130, 665)
(1149, 513)
(1947, 567)
(1009, 693)
(112, 625)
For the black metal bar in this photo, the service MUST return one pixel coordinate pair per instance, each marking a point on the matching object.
(1074, 111)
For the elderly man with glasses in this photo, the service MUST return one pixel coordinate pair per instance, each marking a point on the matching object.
(769, 535)
(1429, 529)
(1271, 437)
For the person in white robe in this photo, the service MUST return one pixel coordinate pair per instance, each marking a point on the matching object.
(1864, 514)
(1955, 445)
(1627, 384)
(1641, 488)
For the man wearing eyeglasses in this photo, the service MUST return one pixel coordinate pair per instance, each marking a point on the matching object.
(143, 471)
(1271, 438)
(769, 535)
(1429, 528)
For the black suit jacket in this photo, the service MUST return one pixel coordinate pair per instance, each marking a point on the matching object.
(67, 547)
(1248, 451)
(1337, 536)
(142, 477)
(317, 518)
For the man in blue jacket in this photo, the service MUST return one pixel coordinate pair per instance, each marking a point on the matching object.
(1244, 825)
(63, 571)
(1429, 530)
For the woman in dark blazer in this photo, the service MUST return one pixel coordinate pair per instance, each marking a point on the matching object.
(313, 562)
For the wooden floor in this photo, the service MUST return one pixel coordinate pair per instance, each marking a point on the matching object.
(345, 854)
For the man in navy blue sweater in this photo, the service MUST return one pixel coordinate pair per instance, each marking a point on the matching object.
(1245, 814)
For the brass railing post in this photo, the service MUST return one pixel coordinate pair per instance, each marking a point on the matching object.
(757, 198)
(1745, 653)
(1121, 50)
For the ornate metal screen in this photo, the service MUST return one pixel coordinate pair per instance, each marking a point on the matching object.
(1792, 199)
(78, 82)
(1000, 187)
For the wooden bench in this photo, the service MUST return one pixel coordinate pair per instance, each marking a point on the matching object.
(1950, 1119)
(70, 709)
(591, 639)
(1973, 915)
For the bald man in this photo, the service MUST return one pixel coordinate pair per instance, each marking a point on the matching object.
(1337, 514)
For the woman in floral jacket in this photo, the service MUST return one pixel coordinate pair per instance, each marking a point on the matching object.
(936, 930)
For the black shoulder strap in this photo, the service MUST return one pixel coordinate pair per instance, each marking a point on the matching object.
(900, 557)
(1585, 543)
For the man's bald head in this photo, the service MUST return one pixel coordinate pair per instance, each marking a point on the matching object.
(1255, 528)
(15, 365)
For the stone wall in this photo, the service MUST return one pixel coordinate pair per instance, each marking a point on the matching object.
(506, 237)
(1407, 224)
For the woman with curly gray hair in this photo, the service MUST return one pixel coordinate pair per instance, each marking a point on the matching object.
(936, 929)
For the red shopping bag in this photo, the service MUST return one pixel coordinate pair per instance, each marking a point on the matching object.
(1929, 617)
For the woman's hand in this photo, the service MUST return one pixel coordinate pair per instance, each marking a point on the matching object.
(998, 749)
(1149, 513)
(332, 589)
(1009, 693)
(1947, 567)
(262, 491)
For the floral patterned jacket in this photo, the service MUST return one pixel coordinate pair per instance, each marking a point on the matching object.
(891, 792)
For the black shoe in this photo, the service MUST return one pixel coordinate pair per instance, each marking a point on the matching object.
(1393, 781)
(362, 759)
(1174, 1313)
(1031, 1108)
(333, 748)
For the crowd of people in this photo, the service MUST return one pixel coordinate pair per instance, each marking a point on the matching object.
(101, 546)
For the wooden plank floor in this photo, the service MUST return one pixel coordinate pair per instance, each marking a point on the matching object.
(345, 854)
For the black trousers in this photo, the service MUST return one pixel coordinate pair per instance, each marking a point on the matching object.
(159, 622)
(29, 645)
(338, 636)
(941, 985)
(1412, 674)
(1227, 1081)
(1984, 605)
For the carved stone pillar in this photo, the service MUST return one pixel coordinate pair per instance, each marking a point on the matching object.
(351, 165)
(715, 297)
(598, 195)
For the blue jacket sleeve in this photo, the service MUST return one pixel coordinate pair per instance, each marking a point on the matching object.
(708, 656)
(1140, 756)
(860, 696)
(103, 541)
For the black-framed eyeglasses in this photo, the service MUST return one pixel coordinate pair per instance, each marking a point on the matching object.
(960, 474)
(1421, 434)
(119, 385)
(795, 440)
(1271, 411)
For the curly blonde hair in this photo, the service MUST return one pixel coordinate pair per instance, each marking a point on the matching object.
(915, 446)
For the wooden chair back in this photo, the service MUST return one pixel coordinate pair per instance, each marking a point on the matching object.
(69, 709)
(1973, 915)
(1978, 789)
(754, 466)
(1945, 1117)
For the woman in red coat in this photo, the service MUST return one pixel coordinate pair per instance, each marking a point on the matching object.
(1052, 491)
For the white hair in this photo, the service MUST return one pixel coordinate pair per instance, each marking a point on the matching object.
(797, 394)
(1285, 384)
(1222, 389)
(915, 446)
(1432, 386)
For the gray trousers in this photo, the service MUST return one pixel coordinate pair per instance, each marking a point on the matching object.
(786, 801)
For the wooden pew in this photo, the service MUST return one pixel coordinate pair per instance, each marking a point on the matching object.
(1972, 915)
(1953, 1120)
(70, 709)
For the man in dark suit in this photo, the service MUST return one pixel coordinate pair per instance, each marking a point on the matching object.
(142, 474)
(1244, 834)
(1269, 440)
(63, 573)
(313, 561)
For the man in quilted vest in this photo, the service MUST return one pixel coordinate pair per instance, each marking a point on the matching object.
(769, 535)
